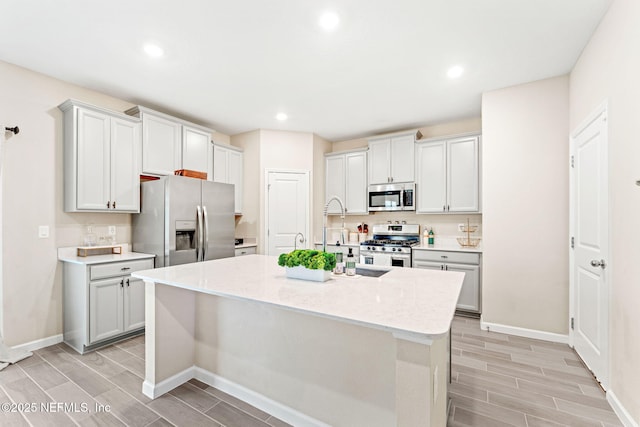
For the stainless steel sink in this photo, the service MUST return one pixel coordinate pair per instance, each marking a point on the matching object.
(370, 272)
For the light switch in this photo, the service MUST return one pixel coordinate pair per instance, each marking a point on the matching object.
(43, 231)
(112, 230)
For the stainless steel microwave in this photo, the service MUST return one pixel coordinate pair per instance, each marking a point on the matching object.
(392, 197)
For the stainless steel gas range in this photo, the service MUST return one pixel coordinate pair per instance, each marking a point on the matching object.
(391, 245)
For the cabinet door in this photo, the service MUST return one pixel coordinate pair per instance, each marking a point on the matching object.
(125, 165)
(93, 160)
(470, 294)
(431, 185)
(356, 183)
(161, 145)
(379, 161)
(402, 159)
(105, 308)
(235, 175)
(335, 181)
(195, 149)
(463, 175)
(133, 304)
(220, 164)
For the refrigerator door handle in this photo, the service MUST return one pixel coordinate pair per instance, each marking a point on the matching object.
(198, 233)
(205, 233)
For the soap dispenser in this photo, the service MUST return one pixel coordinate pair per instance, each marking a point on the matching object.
(351, 264)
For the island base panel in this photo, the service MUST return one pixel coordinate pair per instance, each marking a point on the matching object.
(295, 365)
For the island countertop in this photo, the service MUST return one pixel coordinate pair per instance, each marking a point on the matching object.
(408, 301)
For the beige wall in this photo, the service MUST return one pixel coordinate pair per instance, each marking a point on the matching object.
(608, 70)
(526, 206)
(32, 196)
(271, 149)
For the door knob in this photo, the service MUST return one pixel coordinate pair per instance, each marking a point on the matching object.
(596, 263)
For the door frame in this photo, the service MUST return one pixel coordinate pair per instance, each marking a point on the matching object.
(601, 109)
(307, 175)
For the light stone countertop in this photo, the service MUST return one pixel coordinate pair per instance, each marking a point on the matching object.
(69, 254)
(246, 245)
(415, 302)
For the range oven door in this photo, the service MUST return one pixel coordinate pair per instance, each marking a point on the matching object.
(374, 258)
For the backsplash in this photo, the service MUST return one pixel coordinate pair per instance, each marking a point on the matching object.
(443, 225)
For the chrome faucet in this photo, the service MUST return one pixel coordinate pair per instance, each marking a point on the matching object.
(295, 240)
(324, 222)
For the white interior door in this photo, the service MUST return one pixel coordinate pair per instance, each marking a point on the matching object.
(287, 211)
(590, 281)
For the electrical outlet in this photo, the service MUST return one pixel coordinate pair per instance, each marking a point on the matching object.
(43, 231)
(112, 230)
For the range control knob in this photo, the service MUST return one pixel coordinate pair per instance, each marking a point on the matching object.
(384, 249)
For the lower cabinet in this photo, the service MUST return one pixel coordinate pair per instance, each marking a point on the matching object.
(116, 306)
(102, 302)
(466, 262)
(246, 251)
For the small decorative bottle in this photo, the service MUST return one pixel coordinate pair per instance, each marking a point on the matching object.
(431, 237)
(351, 263)
(339, 263)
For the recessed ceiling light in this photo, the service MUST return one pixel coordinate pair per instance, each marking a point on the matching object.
(281, 116)
(455, 72)
(329, 21)
(153, 50)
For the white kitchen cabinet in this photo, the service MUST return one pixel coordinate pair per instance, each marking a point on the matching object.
(468, 263)
(448, 175)
(169, 144)
(228, 168)
(346, 177)
(102, 302)
(101, 159)
(391, 159)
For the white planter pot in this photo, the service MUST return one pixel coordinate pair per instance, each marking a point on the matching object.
(304, 273)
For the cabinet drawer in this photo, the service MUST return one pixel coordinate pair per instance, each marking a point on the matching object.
(119, 268)
(246, 251)
(446, 256)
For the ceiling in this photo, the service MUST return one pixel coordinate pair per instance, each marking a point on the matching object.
(233, 65)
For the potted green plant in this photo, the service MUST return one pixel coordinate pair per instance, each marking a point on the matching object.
(308, 264)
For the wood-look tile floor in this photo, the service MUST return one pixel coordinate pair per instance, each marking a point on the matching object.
(112, 376)
(504, 380)
(497, 380)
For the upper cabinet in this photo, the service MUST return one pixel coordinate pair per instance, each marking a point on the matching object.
(101, 159)
(448, 175)
(228, 168)
(391, 158)
(169, 144)
(346, 177)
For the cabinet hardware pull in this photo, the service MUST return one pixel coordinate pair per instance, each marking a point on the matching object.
(108, 204)
(125, 268)
(127, 283)
(444, 256)
(446, 267)
(444, 208)
(114, 204)
(122, 283)
(441, 266)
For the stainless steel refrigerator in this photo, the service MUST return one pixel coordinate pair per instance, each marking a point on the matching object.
(184, 220)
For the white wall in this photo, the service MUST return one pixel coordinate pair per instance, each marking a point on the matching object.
(525, 176)
(608, 69)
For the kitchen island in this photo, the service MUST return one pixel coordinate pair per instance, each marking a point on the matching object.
(360, 351)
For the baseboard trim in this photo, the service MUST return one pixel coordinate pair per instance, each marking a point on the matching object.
(278, 410)
(621, 412)
(152, 391)
(523, 332)
(38, 344)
